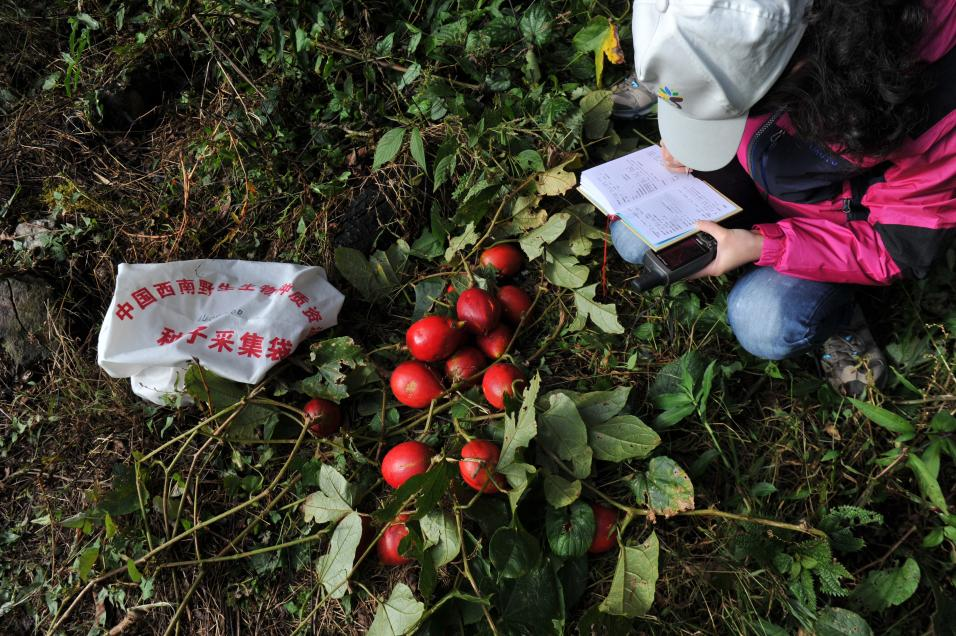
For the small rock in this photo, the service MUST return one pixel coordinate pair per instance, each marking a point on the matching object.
(24, 321)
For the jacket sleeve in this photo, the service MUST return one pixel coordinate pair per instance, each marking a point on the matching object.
(912, 220)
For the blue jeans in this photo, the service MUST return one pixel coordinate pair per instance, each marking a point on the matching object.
(773, 316)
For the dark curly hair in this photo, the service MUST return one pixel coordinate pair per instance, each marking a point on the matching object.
(855, 79)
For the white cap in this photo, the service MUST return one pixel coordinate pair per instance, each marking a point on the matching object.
(709, 62)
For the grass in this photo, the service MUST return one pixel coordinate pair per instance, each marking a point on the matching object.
(248, 130)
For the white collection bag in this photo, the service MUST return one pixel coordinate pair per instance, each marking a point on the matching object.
(237, 318)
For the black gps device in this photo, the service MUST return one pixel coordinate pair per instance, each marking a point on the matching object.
(676, 262)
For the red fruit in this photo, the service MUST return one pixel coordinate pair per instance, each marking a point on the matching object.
(495, 344)
(514, 302)
(499, 380)
(605, 532)
(405, 461)
(506, 258)
(465, 363)
(433, 338)
(322, 417)
(479, 309)
(415, 384)
(387, 546)
(477, 466)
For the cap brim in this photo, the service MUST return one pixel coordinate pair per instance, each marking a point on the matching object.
(696, 143)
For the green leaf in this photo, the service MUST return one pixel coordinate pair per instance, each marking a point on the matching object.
(86, 561)
(664, 487)
(596, 108)
(562, 268)
(388, 147)
(887, 588)
(880, 416)
(426, 293)
(673, 416)
(928, 485)
(441, 536)
(622, 437)
(122, 498)
(329, 357)
(603, 315)
(376, 276)
(571, 529)
(563, 433)
(334, 566)
(529, 160)
(943, 422)
(397, 615)
(334, 499)
(559, 491)
(635, 578)
(555, 181)
(133, 571)
(533, 242)
(596, 407)
(458, 243)
(535, 25)
(591, 37)
(513, 552)
(223, 393)
(836, 621)
(426, 489)
(530, 604)
(417, 148)
(519, 431)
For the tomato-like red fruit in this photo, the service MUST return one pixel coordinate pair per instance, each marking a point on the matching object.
(501, 379)
(605, 533)
(322, 417)
(514, 302)
(415, 384)
(404, 461)
(505, 258)
(495, 344)
(463, 364)
(433, 338)
(388, 543)
(479, 458)
(479, 309)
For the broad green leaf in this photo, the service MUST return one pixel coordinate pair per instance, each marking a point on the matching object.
(426, 293)
(417, 148)
(591, 36)
(426, 489)
(533, 242)
(595, 407)
(457, 243)
(535, 24)
(563, 433)
(671, 378)
(880, 416)
(388, 147)
(519, 431)
(555, 181)
(529, 160)
(334, 566)
(122, 498)
(531, 604)
(836, 621)
(571, 529)
(559, 491)
(441, 536)
(887, 588)
(596, 108)
(635, 578)
(603, 315)
(397, 615)
(223, 393)
(133, 571)
(671, 417)
(86, 561)
(513, 552)
(943, 422)
(622, 437)
(562, 268)
(330, 356)
(664, 487)
(376, 276)
(334, 499)
(928, 485)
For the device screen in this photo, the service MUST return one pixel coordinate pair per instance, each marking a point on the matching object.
(681, 253)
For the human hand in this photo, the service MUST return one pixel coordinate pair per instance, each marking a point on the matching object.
(673, 164)
(734, 248)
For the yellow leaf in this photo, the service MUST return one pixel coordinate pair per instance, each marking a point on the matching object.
(555, 181)
(610, 47)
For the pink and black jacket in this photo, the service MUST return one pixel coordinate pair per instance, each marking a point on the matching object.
(865, 222)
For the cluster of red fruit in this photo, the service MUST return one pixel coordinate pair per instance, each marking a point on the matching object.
(440, 339)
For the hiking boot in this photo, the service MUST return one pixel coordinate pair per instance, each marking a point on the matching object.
(852, 361)
(631, 100)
